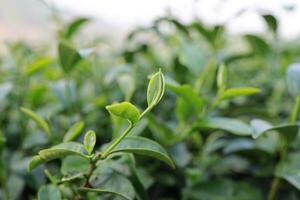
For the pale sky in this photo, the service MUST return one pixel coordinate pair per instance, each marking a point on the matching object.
(29, 19)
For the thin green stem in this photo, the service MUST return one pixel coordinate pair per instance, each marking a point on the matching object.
(296, 110)
(117, 141)
(274, 188)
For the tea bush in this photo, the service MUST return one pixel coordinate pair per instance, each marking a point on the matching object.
(223, 123)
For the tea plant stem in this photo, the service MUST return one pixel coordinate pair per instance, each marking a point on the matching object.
(117, 141)
(296, 110)
(274, 187)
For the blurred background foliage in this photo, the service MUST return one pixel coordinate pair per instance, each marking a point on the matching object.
(208, 138)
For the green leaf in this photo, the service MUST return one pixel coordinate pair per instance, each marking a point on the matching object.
(235, 92)
(89, 141)
(107, 179)
(73, 165)
(38, 65)
(127, 85)
(34, 162)
(143, 146)
(222, 190)
(156, 89)
(289, 131)
(105, 191)
(289, 169)
(125, 110)
(49, 192)
(187, 93)
(233, 126)
(222, 77)
(293, 79)
(74, 26)
(271, 22)
(68, 56)
(74, 131)
(58, 151)
(39, 120)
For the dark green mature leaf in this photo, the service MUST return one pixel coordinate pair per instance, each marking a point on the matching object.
(289, 169)
(271, 22)
(68, 56)
(74, 131)
(49, 192)
(125, 110)
(156, 89)
(289, 131)
(107, 180)
(222, 190)
(105, 191)
(58, 151)
(234, 126)
(74, 26)
(258, 44)
(39, 120)
(143, 146)
(89, 141)
(73, 165)
(235, 92)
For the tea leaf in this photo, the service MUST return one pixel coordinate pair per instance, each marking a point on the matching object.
(222, 77)
(235, 92)
(127, 85)
(89, 141)
(38, 120)
(288, 131)
(143, 146)
(105, 191)
(68, 56)
(234, 126)
(74, 131)
(293, 79)
(72, 165)
(156, 89)
(58, 151)
(74, 26)
(125, 110)
(49, 192)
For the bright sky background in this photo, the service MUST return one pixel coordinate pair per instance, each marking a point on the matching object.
(29, 19)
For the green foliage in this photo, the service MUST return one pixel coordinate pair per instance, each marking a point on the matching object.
(225, 113)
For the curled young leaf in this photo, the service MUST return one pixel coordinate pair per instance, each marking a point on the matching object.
(156, 89)
(38, 120)
(89, 141)
(125, 110)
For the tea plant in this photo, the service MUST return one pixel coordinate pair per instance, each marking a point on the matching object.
(78, 157)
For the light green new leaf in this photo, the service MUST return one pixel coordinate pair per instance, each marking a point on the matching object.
(233, 126)
(222, 77)
(74, 26)
(143, 146)
(125, 110)
(187, 93)
(105, 191)
(39, 120)
(235, 92)
(156, 89)
(49, 192)
(38, 65)
(68, 56)
(89, 141)
(74, 131)
(58, 151)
